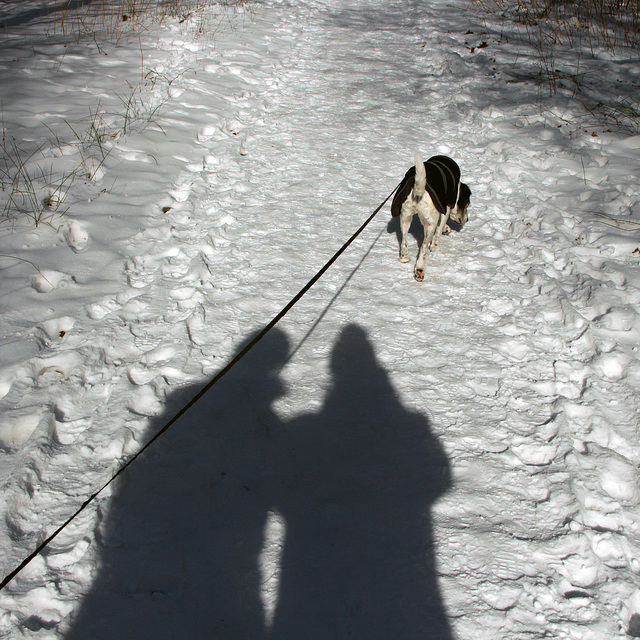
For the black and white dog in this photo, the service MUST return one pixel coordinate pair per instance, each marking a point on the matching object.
(433, 190)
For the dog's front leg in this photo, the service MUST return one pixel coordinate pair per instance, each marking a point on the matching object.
(406, 215)
(442, 223)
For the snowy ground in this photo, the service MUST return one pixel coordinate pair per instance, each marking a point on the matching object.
(452, 459)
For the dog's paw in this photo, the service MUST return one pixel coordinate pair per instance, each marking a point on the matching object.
(446, 231)
(404, 257)
(419, 275)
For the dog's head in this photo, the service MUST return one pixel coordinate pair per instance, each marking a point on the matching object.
(459, 212)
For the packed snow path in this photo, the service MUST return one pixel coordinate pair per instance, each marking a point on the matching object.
(452, 459)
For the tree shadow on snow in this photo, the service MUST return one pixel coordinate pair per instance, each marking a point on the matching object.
(353, 483)
(41, 12)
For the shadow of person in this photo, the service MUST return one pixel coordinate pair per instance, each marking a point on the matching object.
(356, 484)
(183, 534)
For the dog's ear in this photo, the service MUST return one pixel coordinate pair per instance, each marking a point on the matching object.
(465, 194)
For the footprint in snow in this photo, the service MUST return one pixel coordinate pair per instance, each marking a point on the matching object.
(93, 169)
(99, 310)
(47, 280)
(158, 355)
(61, 559)
(197, 328)
(206, 133)
(61, 365)
(187, 297)
(501, 598)
(613, 366)
(181, 192)
(619, 480)
(581, 570)
(620, 319)
(75, 236)
(140, 271)
(53, 331)
(66, 432)
(537, 455)
(15, 432)
(145, 402)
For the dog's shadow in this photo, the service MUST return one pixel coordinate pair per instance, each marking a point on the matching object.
(416, 230)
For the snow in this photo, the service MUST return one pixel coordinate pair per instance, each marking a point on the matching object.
(451, 459)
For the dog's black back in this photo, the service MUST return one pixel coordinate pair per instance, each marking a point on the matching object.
(443, 178)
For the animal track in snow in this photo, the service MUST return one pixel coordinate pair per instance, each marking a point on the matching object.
(55, 330)
(61, 559)
(75, 235)
(157, 355)
(47, 280)
(181, 192)
(141, 269)
(614, 365)
(66, 432)
(52, 368)
(536, 454)
(99, 310)
(15, 431)
(145, 402)
(619, 479)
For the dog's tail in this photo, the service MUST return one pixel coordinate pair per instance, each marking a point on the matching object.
(420, 183)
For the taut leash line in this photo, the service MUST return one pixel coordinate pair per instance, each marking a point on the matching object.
(200, 393)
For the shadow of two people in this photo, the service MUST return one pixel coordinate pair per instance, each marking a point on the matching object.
(353, 483)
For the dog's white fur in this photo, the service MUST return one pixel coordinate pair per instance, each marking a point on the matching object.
(434, 222)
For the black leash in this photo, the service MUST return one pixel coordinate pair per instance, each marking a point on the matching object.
(336, 295)
(202, 391)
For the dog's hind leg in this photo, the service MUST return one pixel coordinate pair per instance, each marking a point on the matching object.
(406, 216)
